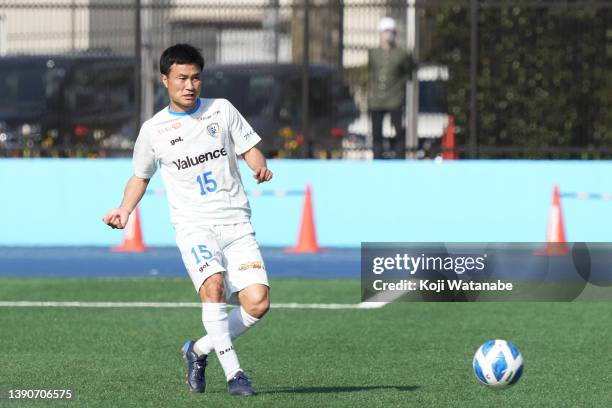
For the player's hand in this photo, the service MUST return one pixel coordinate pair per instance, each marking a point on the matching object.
(116, 218)
(262, 175)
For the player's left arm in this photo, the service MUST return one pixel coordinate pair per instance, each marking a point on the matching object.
(257, 162)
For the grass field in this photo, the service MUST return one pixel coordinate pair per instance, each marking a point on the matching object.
(405, 354)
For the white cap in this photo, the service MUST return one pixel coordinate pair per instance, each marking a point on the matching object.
(386, 24)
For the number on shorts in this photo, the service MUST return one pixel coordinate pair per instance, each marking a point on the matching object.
(202, 250)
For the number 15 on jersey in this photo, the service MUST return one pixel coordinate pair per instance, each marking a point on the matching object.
(207, 183)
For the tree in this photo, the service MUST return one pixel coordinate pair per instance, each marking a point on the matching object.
(543, 75)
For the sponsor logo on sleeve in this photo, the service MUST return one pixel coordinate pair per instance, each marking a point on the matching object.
(251, 265)
(248, 135)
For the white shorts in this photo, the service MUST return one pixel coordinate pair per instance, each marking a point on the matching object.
(229, 249)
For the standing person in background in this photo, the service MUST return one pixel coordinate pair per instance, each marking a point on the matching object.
(389, 67)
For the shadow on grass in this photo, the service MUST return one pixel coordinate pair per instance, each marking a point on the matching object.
(322, 390)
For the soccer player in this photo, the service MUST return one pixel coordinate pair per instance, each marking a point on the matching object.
(195, 143)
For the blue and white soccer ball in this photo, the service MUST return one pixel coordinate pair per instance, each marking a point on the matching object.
(498, 363)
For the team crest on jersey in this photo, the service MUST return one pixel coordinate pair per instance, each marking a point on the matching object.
(213, 129)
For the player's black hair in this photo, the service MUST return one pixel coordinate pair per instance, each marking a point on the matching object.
(180, 54)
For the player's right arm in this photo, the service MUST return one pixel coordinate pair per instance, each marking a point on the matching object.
(134, 190)
(144, 168)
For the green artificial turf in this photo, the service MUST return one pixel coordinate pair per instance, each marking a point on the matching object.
(405, 354)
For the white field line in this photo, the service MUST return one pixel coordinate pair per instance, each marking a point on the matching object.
(382, 299)
(153, 305)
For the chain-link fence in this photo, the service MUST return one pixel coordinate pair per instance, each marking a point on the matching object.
(527, 79)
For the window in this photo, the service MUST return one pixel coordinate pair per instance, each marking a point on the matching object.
(252, 95)
(101, 87)
(22, 87)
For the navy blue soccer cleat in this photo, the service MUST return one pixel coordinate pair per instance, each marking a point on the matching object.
(196, 365)
(240, 385)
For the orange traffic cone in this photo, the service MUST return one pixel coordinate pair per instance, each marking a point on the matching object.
(307, 238)
(132, 236)
(555, 233)
(448, 141)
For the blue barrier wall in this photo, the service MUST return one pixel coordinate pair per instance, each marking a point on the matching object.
(61, 202)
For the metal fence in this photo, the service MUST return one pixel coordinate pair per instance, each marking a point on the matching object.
(526, 79)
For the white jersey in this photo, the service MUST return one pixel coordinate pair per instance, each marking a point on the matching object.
(196, 152)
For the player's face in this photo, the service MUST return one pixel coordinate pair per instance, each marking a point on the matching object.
(183, 84)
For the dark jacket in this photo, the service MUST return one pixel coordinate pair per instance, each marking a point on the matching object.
(388, 71)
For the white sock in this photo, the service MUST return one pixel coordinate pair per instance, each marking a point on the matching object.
(239, 321)
(216, 324)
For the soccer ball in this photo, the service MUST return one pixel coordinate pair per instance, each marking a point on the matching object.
(498, 363)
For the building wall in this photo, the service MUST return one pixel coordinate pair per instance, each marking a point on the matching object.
(70, 25)
(37, 30)
(361, 19)
(112, 28)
